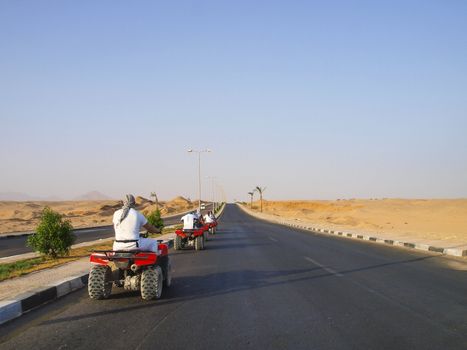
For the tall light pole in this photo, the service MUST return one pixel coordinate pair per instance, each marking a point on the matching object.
(207, 150)
(212, 178)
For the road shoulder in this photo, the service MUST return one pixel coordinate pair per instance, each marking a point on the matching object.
(405, 242)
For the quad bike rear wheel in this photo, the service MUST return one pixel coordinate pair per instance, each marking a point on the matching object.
(151, 283)
(168, 275)
(199, 243)
(100, 282)
(178, 243)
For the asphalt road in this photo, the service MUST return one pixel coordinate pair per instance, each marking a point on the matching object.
(17, 245)
(263, 286)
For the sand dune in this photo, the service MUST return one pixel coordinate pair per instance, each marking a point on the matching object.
(428, 219)
(24, 216)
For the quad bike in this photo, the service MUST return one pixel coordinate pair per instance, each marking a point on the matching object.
(212, 227)
(195, 237)
(136, 271)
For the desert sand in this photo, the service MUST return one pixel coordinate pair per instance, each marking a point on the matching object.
(434, 220)
(24, 216)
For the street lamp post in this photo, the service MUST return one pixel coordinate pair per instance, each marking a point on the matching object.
(207, 150)
(212, 178)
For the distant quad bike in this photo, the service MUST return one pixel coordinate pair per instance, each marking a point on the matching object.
(195, 237)
(136, 270)
(212, 227)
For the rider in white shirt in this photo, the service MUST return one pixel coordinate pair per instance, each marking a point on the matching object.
(208, 219)
(188, 221)
(127, 224)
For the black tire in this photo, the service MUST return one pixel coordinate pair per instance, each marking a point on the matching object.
(177, 242)
(100, 282)
(199, 243)
(151, 283)
(168, 275)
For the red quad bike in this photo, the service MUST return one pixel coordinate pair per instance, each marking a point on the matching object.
(212, 227)
(136, 271)
(184, 238)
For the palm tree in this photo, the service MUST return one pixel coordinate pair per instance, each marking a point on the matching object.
(251, 198)
(261, 191)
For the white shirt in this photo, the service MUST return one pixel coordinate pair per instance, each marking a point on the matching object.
(188, 221)
(208, 219)
(128, 229)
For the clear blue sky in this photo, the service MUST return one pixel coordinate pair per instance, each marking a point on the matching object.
(313, 99)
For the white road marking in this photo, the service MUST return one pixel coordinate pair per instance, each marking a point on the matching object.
(273, 239)
(328, 269)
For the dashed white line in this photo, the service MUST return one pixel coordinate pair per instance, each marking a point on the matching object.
(273, 239)
(328, 269)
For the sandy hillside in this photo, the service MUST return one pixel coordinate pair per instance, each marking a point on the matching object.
(24, 216)
(436, 220)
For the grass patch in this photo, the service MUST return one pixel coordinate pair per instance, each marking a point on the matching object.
(23, 267)
(9, 269)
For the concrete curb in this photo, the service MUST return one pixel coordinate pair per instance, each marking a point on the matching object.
(419, 246)
(10, 309)
(23, 303)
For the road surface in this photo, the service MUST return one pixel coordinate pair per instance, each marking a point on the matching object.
(263, 286)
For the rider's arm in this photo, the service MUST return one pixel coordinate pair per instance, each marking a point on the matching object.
(152, 228)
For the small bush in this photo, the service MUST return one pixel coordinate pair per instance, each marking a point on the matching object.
(53, 235)
(219, 207)
(154, 218)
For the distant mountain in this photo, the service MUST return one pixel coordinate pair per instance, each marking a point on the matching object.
(92, 196)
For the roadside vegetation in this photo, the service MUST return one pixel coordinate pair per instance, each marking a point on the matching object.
(53, 236)
(260, 190)
(252, 193)
(219, 208)
(154, 218)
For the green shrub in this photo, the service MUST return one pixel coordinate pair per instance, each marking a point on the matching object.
(154, 218)
(53, 235)
(219, 207)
